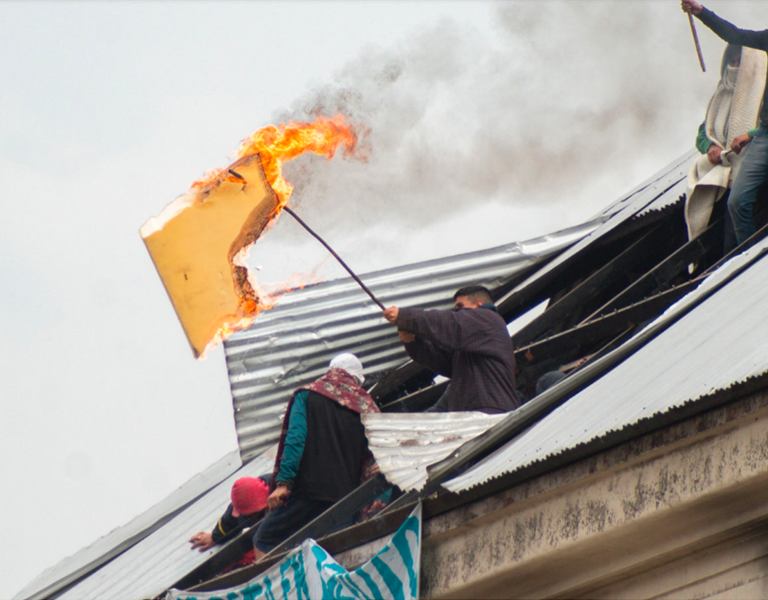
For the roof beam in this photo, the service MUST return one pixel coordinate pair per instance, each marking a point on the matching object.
(577, 341)
(531, 293)
(660, 276)
(614, 275)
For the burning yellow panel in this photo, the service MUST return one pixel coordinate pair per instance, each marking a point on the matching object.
(195, 242)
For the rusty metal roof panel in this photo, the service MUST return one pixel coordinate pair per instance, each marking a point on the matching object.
(292, 344)
(153, 564)
(404, 444)
(107, 547)
(720, 343)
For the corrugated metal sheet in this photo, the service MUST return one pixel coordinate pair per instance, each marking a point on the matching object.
(656, 193)
(292, 344)
(405, 444)
(91, 557)
(719, 343)
(159, 560)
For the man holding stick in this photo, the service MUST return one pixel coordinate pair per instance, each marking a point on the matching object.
(470, 344)
(754, 168)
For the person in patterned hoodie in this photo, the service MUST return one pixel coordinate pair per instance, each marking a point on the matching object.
(322, 454)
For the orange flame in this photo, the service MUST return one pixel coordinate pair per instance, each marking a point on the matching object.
(226, 330)
(272, 291)
(277, 145)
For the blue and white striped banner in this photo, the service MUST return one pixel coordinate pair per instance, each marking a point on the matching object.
(310, 573)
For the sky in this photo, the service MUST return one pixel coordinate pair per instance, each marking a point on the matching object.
(485, 123)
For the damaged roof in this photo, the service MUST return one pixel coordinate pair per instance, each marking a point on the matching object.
(405, 444)
(292, 344)
(703, 347)
(677, 350)
(721, 343)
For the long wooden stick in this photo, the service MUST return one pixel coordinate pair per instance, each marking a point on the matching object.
(696, 41)
(336, 256)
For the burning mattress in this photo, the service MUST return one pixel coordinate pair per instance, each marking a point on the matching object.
(197, 243)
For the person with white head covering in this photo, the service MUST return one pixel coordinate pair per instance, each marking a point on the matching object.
(322, 454)
(351, 364)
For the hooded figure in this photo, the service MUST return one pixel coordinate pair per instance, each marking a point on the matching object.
(732, 111)
(249, 502)
(322, 454)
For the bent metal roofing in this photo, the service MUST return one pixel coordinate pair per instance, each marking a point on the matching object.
(720, 343)
(291, 344)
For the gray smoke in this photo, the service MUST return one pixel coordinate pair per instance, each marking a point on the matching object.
(565, 99)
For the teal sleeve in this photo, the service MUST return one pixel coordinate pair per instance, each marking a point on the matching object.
(702, 141)
(752, 132)
(295, 439)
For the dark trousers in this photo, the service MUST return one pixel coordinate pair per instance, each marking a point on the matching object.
(285, 520)
(752, 176)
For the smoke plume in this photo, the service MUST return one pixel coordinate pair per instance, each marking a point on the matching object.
(568, 103)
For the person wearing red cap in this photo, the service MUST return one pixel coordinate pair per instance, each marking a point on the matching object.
(249, 500)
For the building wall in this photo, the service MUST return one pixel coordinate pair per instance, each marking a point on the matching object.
(679, 513)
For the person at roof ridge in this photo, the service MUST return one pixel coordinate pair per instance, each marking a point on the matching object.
(249, 501)
(729, 125)
(322, 454)
(470, 344)
(754, 168)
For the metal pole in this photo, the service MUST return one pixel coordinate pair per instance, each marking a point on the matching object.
(336, 256)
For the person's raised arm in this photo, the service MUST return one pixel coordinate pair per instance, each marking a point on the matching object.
(423, 352)
(464, 330)
(728, 32)
(691, 7)
(427, 354)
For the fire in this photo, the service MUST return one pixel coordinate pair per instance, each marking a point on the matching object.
(271, 292)
(277, 145)
(225, 331)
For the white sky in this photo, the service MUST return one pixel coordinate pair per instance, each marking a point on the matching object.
(506, 121)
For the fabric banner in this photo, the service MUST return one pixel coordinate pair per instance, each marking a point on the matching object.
(310, 573)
